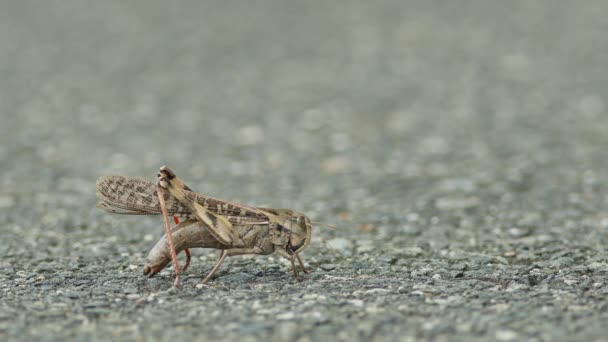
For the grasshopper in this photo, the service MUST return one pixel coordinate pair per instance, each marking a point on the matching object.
(207, 222)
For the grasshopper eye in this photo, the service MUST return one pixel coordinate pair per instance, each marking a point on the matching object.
(301, 221)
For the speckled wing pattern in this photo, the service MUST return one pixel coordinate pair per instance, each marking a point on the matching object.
(136, 196)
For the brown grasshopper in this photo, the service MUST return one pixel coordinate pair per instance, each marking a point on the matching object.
(234, 229)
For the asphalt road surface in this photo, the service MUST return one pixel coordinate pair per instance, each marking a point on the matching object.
(459, 147)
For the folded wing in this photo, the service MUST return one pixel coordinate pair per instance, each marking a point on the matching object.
(136, 196)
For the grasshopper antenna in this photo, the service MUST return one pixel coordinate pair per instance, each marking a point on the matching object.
(331, 226)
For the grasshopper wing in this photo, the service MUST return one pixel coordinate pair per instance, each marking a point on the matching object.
(136, 196)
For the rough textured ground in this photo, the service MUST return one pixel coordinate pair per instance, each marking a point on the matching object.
(461, 147)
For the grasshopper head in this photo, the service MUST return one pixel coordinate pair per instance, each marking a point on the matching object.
(301, 230)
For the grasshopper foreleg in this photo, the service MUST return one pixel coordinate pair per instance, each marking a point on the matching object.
(293, 267)
(292, 258)
(301, 263)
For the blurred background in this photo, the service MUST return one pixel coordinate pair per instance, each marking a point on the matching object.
(421, 128)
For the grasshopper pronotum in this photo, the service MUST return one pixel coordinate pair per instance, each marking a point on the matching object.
(234, 229)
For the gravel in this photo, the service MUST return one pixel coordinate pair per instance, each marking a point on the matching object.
(458, 148)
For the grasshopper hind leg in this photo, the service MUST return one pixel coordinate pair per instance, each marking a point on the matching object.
(188, 259)
(187, 251)
(216, 267)
(231, 252)
(163, 207)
